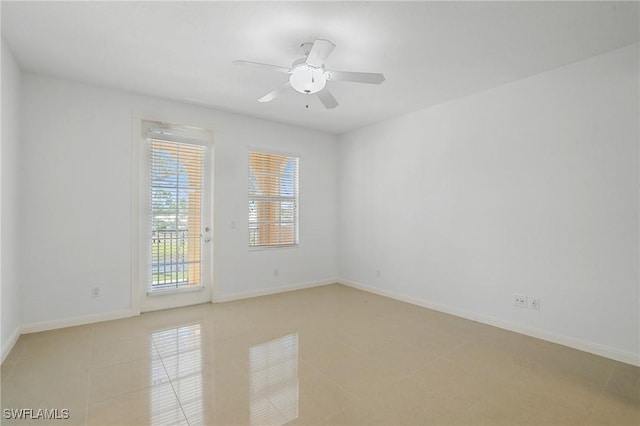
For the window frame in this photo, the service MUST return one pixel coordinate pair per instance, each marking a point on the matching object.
(296, 199)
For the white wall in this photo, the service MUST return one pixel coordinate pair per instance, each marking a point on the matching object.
(10, 165)
(77, 215)
(527, 188)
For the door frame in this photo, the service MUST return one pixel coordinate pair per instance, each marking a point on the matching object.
(140, 301)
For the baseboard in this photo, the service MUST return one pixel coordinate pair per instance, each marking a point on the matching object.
(6, 348)
(90, 319)
(273, 290)
(35, 327)
(594, 348)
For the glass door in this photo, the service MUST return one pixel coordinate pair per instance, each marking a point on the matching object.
(177, 217)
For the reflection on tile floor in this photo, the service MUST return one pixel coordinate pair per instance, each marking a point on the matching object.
(324, 356)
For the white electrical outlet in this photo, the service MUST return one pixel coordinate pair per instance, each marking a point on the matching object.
(95, 292)
(378, 273)
(534, 303)
(275, 272)
(520, 300)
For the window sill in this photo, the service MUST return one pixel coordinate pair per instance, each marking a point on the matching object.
(268, 248)
(169, 291)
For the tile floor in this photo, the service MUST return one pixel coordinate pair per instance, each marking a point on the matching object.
(324, 356)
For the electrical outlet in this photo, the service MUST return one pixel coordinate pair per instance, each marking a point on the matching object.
(275, 272)
(95, 292)
(378, 273)
(534, 303)
(520, 300)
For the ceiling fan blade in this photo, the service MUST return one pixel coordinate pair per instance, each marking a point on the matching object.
(263, 66)
(356, 77)
(274, 94)
(320, 50)
(327, 99)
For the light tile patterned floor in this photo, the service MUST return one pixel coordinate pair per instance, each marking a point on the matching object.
(324, 356)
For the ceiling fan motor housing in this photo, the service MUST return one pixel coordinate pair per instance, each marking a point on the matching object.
(307, 79)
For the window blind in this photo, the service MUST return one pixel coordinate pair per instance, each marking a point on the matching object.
(273, 200)
(176, 184)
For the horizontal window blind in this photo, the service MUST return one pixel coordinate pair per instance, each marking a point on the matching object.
(273, 200)
(176, 177)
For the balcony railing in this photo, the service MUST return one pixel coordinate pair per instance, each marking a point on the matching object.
(170, 260)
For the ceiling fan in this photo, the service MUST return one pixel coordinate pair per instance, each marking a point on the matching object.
(309, 76)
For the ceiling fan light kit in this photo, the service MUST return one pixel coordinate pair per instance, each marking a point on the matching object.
(306, 79)
(309, 76)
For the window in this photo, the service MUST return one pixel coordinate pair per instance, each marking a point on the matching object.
(273, 200)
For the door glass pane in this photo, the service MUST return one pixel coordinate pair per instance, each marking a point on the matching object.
(176, 210)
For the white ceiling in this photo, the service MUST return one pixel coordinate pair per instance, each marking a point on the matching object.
(430, 52)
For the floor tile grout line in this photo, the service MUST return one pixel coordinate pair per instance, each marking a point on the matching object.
(13, 366)
(19, 354)
(606, 383)
(166, 372)
(342, 388)
(278, 411)
(281, 413)
(602, 391)
(89, 374)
